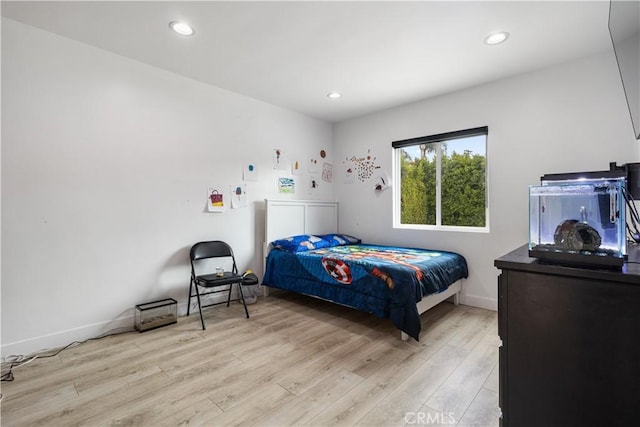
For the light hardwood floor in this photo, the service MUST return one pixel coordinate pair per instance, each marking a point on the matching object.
(296, 361)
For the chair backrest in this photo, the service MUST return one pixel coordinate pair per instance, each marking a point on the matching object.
(212, 249)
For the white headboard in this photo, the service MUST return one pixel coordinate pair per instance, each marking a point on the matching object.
(284, 218)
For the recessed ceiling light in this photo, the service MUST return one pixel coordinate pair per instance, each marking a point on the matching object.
(496, 38)
(334, 95)
(181, 28)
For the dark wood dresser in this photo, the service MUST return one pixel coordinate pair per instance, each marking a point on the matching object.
(570, 353)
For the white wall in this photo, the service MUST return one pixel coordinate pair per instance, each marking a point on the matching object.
(106, 164)
(567, 118)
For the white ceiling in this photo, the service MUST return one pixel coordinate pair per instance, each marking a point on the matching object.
(377, 54)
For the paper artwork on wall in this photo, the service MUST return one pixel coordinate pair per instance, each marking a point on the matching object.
(238, 196)
(296, 167)
(215, 201)
(365, 166)
(279, 160)
(327, 172)
(314, 185)
(250, 172)
(382, 181)
(286, 185)
(314, 165)
(349, 172)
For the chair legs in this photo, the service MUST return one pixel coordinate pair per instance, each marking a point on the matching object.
(189, 303)
(200, 306)
(192, 285)
(229, 294)
(242, 298)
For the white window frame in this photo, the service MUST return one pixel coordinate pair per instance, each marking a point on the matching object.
(437, 140)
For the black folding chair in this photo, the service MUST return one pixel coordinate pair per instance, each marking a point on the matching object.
(213, 280)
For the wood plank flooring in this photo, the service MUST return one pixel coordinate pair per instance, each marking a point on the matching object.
(296, 361)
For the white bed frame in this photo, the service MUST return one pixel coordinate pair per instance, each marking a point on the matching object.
(285, 218)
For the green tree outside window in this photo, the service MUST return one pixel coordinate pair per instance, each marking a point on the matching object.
(461, 165)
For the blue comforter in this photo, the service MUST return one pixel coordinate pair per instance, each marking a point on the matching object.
(386, 281)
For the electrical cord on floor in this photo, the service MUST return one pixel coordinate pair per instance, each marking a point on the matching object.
(15, 361)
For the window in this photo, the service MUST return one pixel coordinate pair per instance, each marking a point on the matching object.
(441, 181)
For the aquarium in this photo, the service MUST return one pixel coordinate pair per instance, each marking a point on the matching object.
(155, 314)
(578, 222)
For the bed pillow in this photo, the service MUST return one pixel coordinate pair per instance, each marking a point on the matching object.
(340, 239)
(300, 243)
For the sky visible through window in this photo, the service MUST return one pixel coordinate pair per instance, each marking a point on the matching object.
(475, 144)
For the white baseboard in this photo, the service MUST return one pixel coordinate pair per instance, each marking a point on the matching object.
(60, 339)
(480, 302)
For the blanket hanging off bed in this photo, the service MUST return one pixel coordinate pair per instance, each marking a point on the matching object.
(386, 281)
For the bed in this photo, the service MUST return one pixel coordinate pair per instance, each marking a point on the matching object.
(304, 254)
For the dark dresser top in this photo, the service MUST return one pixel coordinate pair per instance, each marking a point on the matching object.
(519, 259)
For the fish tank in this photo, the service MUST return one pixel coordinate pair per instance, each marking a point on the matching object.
(578, 222)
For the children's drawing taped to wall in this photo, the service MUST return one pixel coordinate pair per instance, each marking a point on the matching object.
(215, 201)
